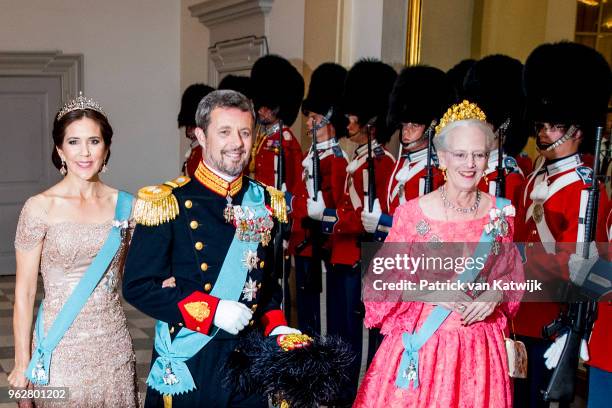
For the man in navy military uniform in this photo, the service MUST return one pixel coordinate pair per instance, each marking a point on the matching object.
(212, 235)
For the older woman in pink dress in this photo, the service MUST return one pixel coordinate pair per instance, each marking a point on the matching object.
(463, 363)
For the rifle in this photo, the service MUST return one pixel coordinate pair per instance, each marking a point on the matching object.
(429, 177)
(281, 232)
(315, 271)
(370, 126)
(579, 319)
(500, 180)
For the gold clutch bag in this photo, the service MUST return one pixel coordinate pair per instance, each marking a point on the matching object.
(517, 357)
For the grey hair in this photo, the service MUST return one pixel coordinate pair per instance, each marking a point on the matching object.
(225, 98)
(441, 140)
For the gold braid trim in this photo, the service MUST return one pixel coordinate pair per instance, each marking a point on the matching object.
(461, 111)
(278, 204)
(155, 205)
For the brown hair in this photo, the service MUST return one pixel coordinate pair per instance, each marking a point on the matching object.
(60, 125)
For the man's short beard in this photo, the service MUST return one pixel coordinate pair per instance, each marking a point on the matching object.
(219, 166)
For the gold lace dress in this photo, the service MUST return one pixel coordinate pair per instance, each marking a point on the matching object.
(95, 358)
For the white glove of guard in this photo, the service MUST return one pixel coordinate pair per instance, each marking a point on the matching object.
(232, 316)
(370, 219)
(316, 208)
(284, 188)
(580, 267)
(553, 354)
(284, 330)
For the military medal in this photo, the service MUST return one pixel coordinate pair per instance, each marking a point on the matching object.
(249, 292)
(251, 228)
(228, 212)
(538, 212)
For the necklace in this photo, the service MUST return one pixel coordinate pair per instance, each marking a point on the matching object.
(462, 210)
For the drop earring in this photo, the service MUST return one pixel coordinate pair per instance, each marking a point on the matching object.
(484, 176)
(64, 169)
(443, 170)
(104, 168)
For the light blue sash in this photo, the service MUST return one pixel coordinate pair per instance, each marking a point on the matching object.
(169, 374)
(409, 364)
(38, 369)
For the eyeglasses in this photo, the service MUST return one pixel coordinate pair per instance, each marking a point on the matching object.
(462, 156)
(557, 127)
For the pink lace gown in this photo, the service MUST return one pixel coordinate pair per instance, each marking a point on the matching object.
(458, 366)
(95, 358)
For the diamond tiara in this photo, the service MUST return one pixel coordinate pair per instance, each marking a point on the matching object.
(80, 103)
(461, 111)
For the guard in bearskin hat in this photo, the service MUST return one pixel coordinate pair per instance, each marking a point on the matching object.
(365, 101)
(456, 76)
(186, 118)
(325, 122)
(567, 87)
(421, 94)
(278, 89)
(494, 83)
(237, 83)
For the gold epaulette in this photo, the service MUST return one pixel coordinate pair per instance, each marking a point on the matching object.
(278, 204)
(157, 204)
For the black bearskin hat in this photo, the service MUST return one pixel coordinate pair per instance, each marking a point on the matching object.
(567, 83)
(420, 94)
(276, 84)
(456, 76)
(495, 84)
(366, 94)
(312, 373)
(325, 92)
(189, 103)
(237, 83)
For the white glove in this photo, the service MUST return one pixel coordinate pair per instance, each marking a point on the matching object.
(284, 330)
(370, 219)
(316, 208)
(553, 354)
(580, 267)
(284, 187)
(232, 316)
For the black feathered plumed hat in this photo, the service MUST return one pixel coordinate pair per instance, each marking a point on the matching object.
(567, 83)
(296, 369)
(366, 94)
(495, 84)
(189, 103)
(420, 94)
(237, 83)
(325, 93)
(456, 76)
(276, 84)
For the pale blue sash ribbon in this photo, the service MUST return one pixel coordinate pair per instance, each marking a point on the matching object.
(169, 374)
(38, 369)
(409, 364)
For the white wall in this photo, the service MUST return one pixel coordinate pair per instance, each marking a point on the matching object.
(285, 30)
(362, 30)
(132, 67)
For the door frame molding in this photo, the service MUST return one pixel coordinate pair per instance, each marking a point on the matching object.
(69, 68)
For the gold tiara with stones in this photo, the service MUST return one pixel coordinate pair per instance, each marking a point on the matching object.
(461, 111)
(80, 103)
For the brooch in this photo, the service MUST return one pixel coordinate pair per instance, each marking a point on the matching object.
(498, 226)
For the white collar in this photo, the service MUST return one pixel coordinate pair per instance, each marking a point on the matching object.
(567, 163)
(413, 157)
(327, 144)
